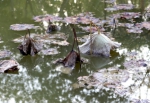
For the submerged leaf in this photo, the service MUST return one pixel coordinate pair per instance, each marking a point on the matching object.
(98, 44)
(20, 27)
(50, 51)
(8, 65)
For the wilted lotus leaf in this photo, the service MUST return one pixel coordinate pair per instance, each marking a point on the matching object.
(20, 27)
(8, 65)
(98, 44)
(47, 17)
(70, 59)
(124, 6)
(5, 53)
(146, 25)
(29, 46)
(129, 15)
(92, 29)
(50, 51)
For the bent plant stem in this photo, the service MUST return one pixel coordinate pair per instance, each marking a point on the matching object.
(75, 39)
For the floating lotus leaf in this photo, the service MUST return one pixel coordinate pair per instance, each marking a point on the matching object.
(146, 25)
(20, 27)
(129, 15)
(29, 46)
(70, 59)
(124, 6)
(111, 9)
(5, 53)
(127, 82)
(58, 38)
(134, 30)
(83, 18)
(8, 65)
(98, 44)
(50, 51)
(47, 17)
(110, 1)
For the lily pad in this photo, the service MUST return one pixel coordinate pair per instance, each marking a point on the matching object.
(8, 65)
(47, 17)
(5, 53)
(20, 27)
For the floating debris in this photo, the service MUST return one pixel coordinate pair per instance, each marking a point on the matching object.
(98, 44)
(47, 17)
(20, 27)
(5, 53)
(8, 65)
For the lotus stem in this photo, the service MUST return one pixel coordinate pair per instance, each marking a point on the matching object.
(28, 32)
(91, 37)
(75, 36)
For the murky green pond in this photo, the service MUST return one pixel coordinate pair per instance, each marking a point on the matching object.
(38, 80)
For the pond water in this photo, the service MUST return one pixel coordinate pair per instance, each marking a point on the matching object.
(38, 80)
